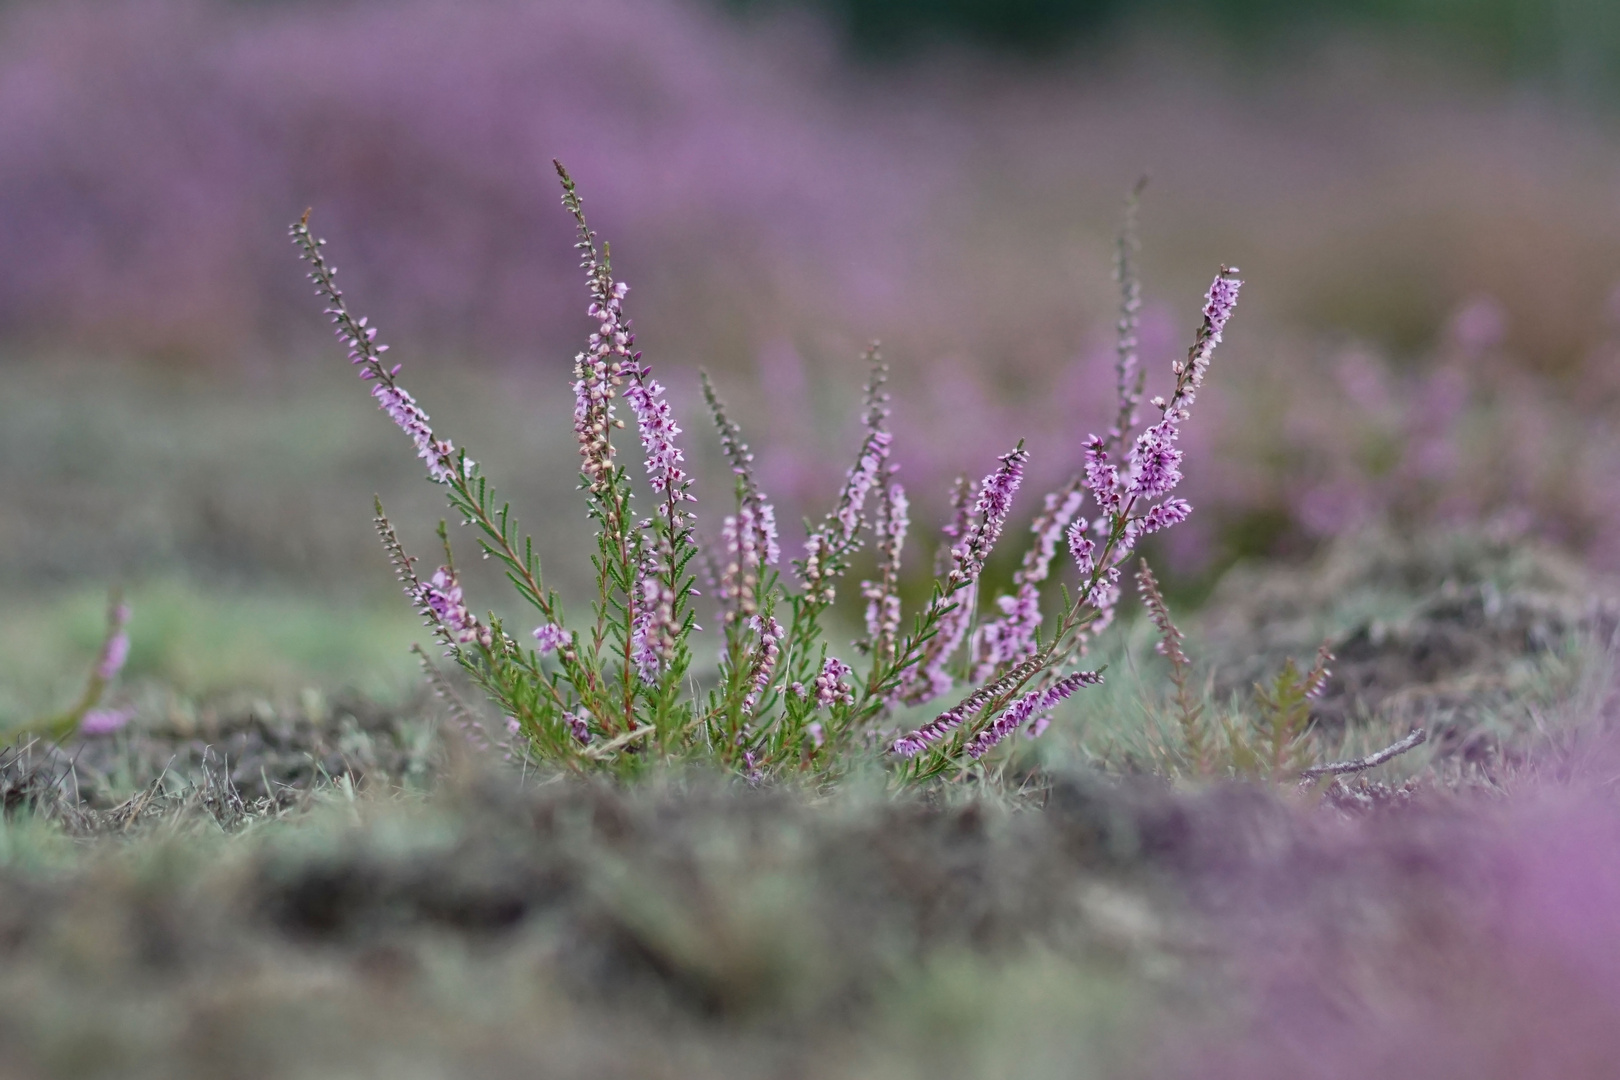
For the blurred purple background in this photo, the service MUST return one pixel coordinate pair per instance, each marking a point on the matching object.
(1430, 329)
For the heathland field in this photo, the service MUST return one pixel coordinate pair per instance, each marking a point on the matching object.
(911, 606)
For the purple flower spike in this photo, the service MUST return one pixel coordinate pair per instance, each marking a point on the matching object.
(658, 431)
(1027, 708)
(1102, 476)
(115, 651)
(766, 653)
(1081, 547)
(438, 454)
(1168, 513)
(1221, 300)
(989, 515)
(652, 634)
(1155, 462)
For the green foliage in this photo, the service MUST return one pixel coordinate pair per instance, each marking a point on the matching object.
(1275, 741)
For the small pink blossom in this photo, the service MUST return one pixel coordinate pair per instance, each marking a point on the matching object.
(104, 721)
(550, 637)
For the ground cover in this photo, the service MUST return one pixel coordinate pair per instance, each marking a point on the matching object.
(330, 885)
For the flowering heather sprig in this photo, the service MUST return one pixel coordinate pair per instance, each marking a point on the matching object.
(611, 360)
(601, 369)
(767, 649)
(826, 549)
(1012, 637)
(658, 430)
(1155, 467)
(749, 536)
(976, 539)
(442, 596)
(1155, 462)
(882, 596)
(831, 687)
(115, 649)
(963, 495)
(989, 515)
(1219, 303)
(653, 631)
(438, 454)
(1030, 706)
(916, 741)
(1129, 373)
(1102, 476)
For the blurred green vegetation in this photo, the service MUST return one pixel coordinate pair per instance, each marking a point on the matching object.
(1574, 42)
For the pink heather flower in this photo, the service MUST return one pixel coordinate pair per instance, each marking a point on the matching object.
(977, 537)
(1221, 300)
(840, 534)
(1168, 513)
(826, 547)
(859, 484)
(749, 535)
(658, 431)
(512, 725)
(608, 358)
(1219, 303)
(652, 632)
(104, 721)
(436, 454)
(915, 742)
(830, 685)
(550, 637)
(1010, 638)
(817, 735)
(1102, 476)
(932, 678)
(766, 652)
(366, 353)
(749, 538)
(1081, 547)
(990, 513)
(115, 650)
(1059, 510)
(442, 597)
(579, 726)
(1029, 706)
(1155, 462)
(882, 600)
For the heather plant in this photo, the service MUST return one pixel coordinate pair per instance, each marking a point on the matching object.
(85, 715)
(1274, 738)
(615, 689)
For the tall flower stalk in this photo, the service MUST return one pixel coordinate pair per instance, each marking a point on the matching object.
(615, 691)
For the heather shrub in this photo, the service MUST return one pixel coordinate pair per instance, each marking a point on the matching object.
(616, 689)
(85, 715)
